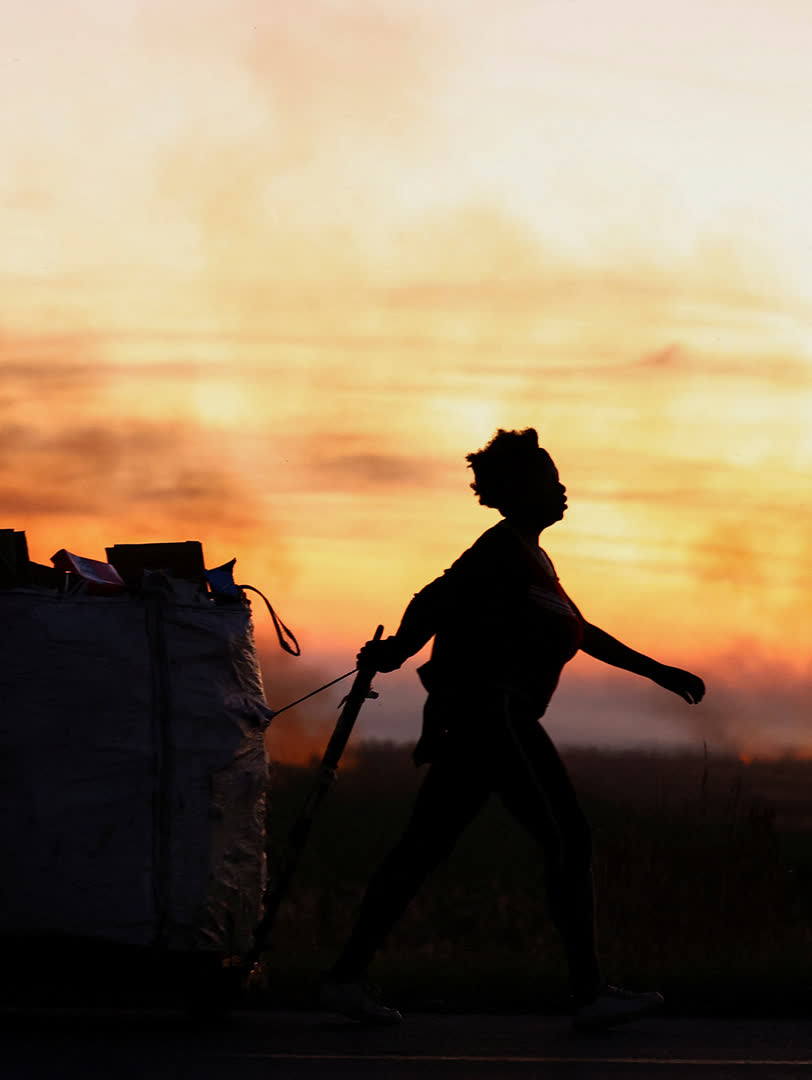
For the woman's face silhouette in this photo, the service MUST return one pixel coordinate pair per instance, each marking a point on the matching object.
(544, 497)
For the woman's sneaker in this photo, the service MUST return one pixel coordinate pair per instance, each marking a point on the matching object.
(613, 1005)
(352, 999)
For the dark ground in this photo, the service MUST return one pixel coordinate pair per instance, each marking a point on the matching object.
(133, 1045)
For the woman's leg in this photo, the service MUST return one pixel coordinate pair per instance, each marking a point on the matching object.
(454, 790)
(535, 787)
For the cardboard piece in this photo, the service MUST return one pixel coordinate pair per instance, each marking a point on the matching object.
(13, 558)
(179, 560)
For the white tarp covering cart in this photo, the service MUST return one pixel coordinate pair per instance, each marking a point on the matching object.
(133, 767)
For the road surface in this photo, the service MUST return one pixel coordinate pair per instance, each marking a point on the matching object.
(119, 1045)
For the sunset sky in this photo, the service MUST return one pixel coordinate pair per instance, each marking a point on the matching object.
(270, 270)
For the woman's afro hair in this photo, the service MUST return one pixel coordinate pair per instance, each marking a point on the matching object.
(501, 467)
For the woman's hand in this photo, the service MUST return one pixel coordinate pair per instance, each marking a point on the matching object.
(686, 685)
(385, 655)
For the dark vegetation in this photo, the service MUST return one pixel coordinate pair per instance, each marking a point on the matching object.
(703, 868)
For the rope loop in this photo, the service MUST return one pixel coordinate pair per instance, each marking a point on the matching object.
(281, 630)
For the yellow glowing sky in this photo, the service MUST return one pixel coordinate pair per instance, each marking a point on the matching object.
(269, 271)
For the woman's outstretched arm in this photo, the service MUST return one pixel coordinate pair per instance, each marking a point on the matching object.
(604, 647)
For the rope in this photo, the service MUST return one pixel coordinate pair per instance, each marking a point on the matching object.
(346, 675)
(281, 630)
(294, 650)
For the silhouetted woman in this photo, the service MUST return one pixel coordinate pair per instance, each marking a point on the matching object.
(503, 629)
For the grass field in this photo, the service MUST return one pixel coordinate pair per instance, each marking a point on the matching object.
(703, 869)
